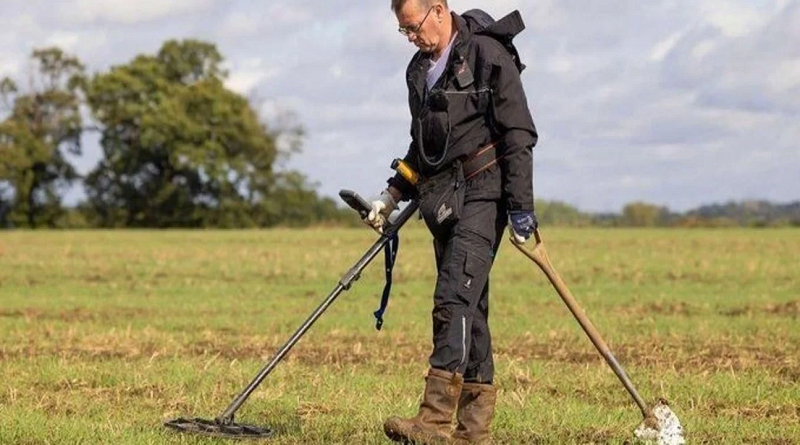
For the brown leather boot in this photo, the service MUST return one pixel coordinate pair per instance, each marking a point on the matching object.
(475, 412)
(432, 424)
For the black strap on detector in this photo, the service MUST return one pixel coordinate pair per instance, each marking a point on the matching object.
(390, 255)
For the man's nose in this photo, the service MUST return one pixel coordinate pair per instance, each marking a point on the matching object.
(411, 37)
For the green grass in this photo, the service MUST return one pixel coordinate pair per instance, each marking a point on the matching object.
(104, 335)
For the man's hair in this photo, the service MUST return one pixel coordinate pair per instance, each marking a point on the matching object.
(426, 4)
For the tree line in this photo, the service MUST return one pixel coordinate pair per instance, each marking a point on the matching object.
(642, 214)
(179, 149)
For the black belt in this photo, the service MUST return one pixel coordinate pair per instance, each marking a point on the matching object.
(484, 158)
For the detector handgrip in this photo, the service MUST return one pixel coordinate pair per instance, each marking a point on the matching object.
(355, 202)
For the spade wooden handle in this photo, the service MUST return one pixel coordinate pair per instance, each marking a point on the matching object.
(539, 256)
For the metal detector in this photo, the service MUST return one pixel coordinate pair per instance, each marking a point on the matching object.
(224, 425)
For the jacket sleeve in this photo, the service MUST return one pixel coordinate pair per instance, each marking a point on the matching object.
(514, 126)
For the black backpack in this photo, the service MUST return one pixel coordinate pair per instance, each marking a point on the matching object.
(503, 30)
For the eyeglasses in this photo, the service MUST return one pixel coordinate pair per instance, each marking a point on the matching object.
(406, 31)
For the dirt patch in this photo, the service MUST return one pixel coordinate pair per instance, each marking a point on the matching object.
(712, 356)
(75, 315)
(791, 374)
(338, 351)
(738, 312)
(780, 441)
(11, 314)
(663, 308)
(669, 308)
(785, 412)
(788, 309)
(791, 309)
(595, 436)
(308, 409)
(502, 437)
(69, 397)
(682, 309)
(148, 391)
(69, 348)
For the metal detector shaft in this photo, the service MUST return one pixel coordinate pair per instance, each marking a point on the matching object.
(539, 256)
(226, 418)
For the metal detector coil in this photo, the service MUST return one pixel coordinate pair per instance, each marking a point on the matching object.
(218, 429)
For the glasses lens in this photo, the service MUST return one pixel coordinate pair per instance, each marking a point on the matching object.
(414, 29)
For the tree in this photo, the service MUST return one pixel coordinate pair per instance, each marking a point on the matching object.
(40, 127)
(557, 213)
(180, 149)
(642, 214)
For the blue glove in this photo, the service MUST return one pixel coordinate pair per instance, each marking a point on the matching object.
(523, 224)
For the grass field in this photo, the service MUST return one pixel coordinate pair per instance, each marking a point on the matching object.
(104, 335)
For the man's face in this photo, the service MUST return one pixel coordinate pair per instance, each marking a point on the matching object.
(412, 15)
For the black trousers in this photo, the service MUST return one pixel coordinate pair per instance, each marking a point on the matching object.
(461, 339)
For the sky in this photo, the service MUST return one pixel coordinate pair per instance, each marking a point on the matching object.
(674, 102)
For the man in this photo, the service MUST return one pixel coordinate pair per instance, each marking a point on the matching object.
(469, 116)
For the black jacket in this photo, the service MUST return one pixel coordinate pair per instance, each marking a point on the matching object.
(478, 99)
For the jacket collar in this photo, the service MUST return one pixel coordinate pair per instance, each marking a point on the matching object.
(418, 68)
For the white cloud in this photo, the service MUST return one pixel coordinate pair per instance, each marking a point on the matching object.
(245, 76)
(703, 48)
(64, 40)
(287, 13)
(663, 47)
(10, 66)
(559, 64)
(733, 18)
(337, 71)
(23, 22)
(786, 76)
(130, 12)
(238, 24)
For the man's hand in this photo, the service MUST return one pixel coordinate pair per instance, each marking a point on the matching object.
(523, 224)
(380, 209)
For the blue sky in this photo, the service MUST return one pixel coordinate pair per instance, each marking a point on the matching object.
(675, 102)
